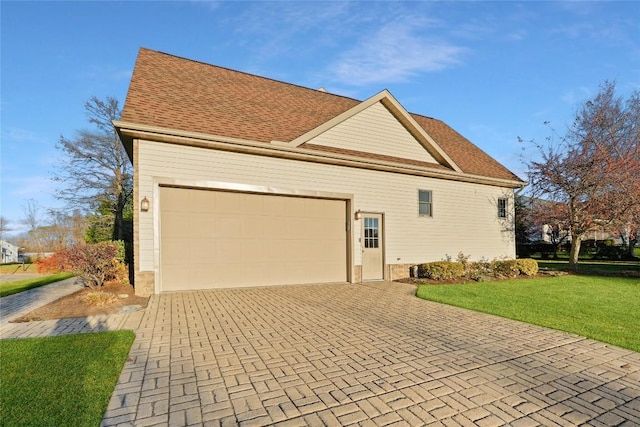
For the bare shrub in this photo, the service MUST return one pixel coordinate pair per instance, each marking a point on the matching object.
(96, 264)
(100, 298)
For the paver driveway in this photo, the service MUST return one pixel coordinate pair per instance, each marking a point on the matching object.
(362, 354)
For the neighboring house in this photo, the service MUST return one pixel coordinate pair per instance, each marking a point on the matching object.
(241, 180)
(9, 252)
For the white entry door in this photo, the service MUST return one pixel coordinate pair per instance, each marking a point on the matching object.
(372, 258)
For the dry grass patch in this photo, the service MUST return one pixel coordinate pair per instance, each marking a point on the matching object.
(100, 298)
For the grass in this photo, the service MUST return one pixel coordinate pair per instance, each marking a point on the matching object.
(593, 267)
(18, 286)
(601, 308)
(64, 380)
(17, 268)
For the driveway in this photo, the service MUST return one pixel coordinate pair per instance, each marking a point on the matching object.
(372, 355)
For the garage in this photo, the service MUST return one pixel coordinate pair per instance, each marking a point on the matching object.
(221, 239)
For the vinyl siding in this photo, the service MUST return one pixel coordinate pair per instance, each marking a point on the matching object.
(464, 214)
(374, 130)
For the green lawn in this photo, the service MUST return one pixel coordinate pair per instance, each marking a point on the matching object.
(593, 267)
(60, 381)
(602, 308)
(18, 286)
(18, 268)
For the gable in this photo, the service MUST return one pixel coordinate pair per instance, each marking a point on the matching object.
(374, 130)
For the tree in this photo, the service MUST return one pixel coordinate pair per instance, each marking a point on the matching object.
(62, 230)
(593, 171)
(32, 220)
(97, 171)
(522, 219)
(551, 222)
(4, 227)
(628, 228)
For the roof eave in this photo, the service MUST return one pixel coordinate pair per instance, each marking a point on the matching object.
(130, 131)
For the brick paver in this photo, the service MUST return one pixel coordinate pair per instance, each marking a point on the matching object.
(344, 354)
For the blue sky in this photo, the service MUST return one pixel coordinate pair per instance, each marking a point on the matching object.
(494, 71)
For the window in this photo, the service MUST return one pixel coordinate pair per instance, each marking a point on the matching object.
(425, 203)
(371, 232)
(502, 208)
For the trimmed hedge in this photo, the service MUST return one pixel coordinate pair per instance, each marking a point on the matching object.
(527, 266)
(441, 270)
(478, 271)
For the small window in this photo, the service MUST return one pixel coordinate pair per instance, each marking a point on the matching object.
(371, 232)
(425, 203)
(502, 208)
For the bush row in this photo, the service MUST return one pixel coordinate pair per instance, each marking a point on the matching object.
(478, 271)
(596, 249)
(97, 264)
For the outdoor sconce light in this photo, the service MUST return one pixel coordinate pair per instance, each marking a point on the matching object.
(144, 204)
(358, 214)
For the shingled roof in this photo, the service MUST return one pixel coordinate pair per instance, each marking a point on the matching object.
(170, 92)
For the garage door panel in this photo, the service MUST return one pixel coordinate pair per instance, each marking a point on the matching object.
(200, 250)
(176, 198)
(173, 224)
(318, 208)
(298, 226)
(227, 202)
(332, 228)
(173, 277)
(249, 203)
(253, 226)
(200, 276)
(201, 202)
(275, 227)
(174, 251)
(221, 239)
(296, 250)
(231, 251)
(272, 206)
(201, 224)
(254, 249)
(228, 226)
(275, 250)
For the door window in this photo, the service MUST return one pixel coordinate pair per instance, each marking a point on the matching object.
(371, 232)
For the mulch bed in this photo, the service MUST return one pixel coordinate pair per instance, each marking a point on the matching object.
(74, 305)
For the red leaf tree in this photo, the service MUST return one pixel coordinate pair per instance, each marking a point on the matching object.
(593, 172)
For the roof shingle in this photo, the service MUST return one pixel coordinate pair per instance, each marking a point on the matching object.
(176, 93)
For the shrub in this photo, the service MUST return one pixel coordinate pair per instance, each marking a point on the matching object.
(611, 253)
(504, 268)
(441, 270)
(527, 266)
(52, 264)
(121, 250)
(479, 271)
(96, 263)
(100, 298)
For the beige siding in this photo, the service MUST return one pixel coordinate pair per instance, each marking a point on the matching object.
(374, 130)
(464, 214)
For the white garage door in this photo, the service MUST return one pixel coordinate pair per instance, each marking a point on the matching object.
(217, 239)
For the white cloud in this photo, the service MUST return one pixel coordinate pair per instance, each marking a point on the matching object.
(394, 53)
(575, 96)
(30, 187)
(25, 135)
(100, 73)
(517, 35)
(277, 29)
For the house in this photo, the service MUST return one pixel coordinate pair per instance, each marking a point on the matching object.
(9, 252)
(241, 181)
